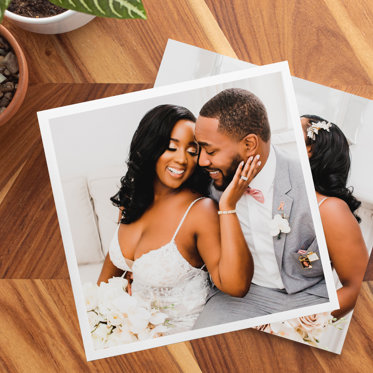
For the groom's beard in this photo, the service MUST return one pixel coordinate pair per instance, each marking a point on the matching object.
(229, 174)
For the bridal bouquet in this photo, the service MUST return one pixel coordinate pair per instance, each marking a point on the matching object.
(306, 329)
(115, 317)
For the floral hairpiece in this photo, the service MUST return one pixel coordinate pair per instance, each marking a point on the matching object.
(313, 130)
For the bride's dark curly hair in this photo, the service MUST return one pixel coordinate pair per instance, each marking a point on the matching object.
(330, 162)
(149, 142)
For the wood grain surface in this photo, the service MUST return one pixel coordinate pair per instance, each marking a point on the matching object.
(120, 51)
(40, 333)
(325, 41)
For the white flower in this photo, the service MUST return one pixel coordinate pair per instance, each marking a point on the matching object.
(107, 292)
(100, 335)
(303, 329)
(124, 302)
(120, 335)
(118, 282)
(285, 330)
(144, 334)
(157, 318)
(102, 331)
(115, 318)
(138, 320)
(316, 321)
(158, 331)
(313, 130)
(279, 225)
(314, 325)
(90, 292)
(93, 319)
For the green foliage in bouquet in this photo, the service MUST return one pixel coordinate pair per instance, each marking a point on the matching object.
(101, 8)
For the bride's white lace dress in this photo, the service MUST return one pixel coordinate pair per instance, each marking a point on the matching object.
(166, 280)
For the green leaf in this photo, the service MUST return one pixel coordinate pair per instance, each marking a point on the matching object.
(3, 6)
(105, 8)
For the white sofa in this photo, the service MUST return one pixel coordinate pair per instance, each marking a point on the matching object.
(92, 217)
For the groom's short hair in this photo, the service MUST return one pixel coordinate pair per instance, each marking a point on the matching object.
(239, 112)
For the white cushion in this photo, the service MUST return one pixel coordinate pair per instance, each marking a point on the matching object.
(101, 189)
(90, 272)
(82, 221)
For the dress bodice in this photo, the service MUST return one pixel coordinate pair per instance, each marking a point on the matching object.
(167, 280)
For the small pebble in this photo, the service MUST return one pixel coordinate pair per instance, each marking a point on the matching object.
(10, 61)
(9, 74)
(3, 43)
(4, 101)
(7, 87)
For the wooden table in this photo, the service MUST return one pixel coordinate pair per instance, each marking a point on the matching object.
(325, 41)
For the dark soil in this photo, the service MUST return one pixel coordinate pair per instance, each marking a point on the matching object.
(34, 8)
(8, 74)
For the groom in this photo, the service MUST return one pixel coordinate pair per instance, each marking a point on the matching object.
(231, 127)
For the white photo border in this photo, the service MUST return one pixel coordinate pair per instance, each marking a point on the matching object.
(44, 118)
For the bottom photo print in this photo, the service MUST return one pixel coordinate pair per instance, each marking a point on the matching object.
(337, 134)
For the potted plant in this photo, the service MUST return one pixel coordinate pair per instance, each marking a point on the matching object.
(74, 13)
(13, 74)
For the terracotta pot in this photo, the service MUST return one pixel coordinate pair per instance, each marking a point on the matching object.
(20, 94)
(63, 22)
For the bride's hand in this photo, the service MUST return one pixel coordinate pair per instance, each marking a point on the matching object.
(239, 184)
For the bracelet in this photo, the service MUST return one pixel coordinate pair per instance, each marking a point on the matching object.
(226, 212)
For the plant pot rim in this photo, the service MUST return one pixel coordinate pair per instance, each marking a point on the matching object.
(42, 20)
(21, 90)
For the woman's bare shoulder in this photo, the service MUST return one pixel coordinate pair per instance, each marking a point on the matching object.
(206, 204)
(335, 206)
(336, 211)
(204, 209)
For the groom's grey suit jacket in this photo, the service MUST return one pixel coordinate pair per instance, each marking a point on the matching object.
(289, 191)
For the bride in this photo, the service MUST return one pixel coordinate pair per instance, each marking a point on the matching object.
(170, 232)
(329, 157)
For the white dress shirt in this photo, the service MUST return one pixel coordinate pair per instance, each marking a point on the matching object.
(255, 220)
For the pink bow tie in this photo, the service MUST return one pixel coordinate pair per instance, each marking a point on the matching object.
(256, 194)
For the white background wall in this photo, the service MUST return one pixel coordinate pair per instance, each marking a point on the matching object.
(88, 143)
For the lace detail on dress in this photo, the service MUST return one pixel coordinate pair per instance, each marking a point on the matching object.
(167, 280)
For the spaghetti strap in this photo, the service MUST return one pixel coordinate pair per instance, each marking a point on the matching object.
(325, 198)
(183, 218)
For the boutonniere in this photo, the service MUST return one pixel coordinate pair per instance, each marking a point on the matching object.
(279, 224)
